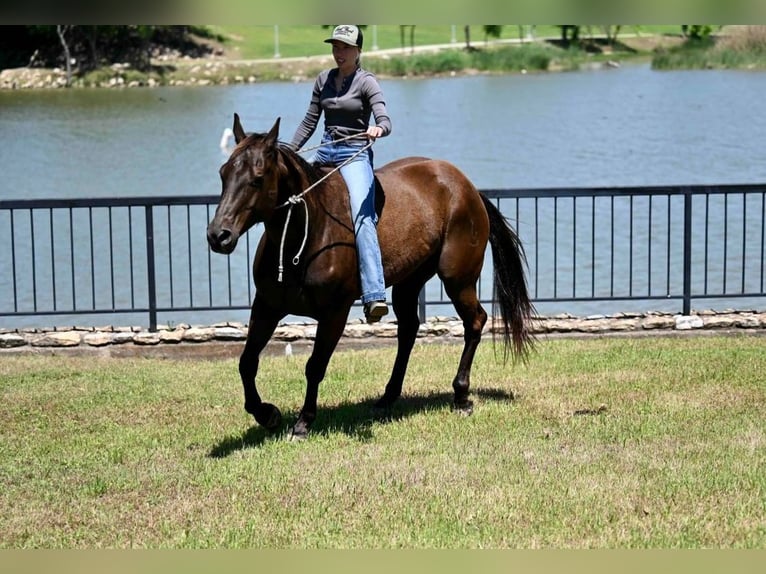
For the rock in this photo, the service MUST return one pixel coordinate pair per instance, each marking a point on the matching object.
(718, 321)
(175, 336)
(199, 334)
(385, 330)
(288, 333)
(748, 321)
(122, 337)
(57, 339)
(146, 338)
(10, 340)
(658, 322)
(357, 331)
(229, 333)
(687, 322)
(98, 339)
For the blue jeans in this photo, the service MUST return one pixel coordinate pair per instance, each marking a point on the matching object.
(361, 191)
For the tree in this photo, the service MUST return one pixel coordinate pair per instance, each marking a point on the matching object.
(61, 31)
(412, 36)
(86, 47)
(569, 33)
(611, 32)
(696, 31)
(492, 31)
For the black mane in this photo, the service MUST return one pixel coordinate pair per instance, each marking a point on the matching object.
(298, 162)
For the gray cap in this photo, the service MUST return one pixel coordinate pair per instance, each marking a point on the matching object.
(348, 34)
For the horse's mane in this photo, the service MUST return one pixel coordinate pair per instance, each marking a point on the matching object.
(298, 162)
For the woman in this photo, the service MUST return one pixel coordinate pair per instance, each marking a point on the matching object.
(348, 96)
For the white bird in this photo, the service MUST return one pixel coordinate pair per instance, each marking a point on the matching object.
(225, 137)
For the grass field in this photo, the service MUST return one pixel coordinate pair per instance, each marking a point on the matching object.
(618, 443)
(258, 42)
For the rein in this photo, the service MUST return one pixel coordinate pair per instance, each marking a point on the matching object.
(298, 198)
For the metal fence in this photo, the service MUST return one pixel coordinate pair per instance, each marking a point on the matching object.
(146, 260)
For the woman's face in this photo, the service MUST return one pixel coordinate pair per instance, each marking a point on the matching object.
(345, 56)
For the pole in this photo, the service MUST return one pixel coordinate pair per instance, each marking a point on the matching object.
(276, 41)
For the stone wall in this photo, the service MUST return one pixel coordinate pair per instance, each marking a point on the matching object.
(437, 328)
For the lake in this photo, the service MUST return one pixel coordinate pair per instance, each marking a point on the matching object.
(629, 126)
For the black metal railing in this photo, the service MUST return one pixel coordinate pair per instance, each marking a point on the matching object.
(593, 250)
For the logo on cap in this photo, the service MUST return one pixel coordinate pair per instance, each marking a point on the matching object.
(344, 30)
(348, 34)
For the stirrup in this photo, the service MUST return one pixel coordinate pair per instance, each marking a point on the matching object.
(374, 310)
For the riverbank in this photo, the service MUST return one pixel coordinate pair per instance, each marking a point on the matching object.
(731, 47)
(226, 339)
(502, 56)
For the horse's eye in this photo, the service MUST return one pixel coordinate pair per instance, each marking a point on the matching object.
(256, 182)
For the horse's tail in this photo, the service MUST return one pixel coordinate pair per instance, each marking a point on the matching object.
(509, 285)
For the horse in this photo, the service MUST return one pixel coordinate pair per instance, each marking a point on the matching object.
(431, 221)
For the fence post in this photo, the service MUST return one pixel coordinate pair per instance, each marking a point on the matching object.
(687, 302)
(150, 270)
(422, 305)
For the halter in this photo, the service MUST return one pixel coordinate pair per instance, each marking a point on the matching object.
(298, 198)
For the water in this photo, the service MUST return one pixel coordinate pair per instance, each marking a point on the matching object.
(616, 127)
(629, 126)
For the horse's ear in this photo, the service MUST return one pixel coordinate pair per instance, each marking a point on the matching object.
(239, 133)
(273, 134)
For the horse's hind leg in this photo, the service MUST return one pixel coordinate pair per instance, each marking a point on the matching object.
(474, 317)
(405, 302)
(263, 322)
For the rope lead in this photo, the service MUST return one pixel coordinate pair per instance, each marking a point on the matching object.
(294, 199)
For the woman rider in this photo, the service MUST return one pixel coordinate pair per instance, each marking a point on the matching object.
(349, 95)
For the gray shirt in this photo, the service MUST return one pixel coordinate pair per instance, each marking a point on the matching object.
(347, 111)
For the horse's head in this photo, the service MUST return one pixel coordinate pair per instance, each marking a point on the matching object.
(250, 181)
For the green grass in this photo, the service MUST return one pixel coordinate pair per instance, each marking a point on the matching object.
(258, 42)
(705, 55)
(650, 442)
(738, 47)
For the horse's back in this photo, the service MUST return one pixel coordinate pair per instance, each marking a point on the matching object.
(430, 207)
(422, 181)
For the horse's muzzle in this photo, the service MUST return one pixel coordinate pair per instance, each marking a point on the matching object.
(221, 240)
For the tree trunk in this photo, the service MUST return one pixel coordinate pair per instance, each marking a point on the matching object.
(61, 30)
(467, 31)
(93, 45)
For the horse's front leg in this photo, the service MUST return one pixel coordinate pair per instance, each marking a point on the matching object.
(329, 331)
(263, 322)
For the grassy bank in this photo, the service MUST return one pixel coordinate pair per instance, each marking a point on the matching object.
(652, 442)
(741, 48)
(247, 54)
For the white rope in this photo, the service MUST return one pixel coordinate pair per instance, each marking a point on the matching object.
(351, 137)
(293, 200)
(298, 198)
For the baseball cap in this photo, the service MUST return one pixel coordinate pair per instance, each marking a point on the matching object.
(348, 34)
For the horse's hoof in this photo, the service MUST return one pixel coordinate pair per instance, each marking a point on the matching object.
(384, 403)
(297, 437)
(268, 416)
(299, 432)
(464, 408)
(383, 408)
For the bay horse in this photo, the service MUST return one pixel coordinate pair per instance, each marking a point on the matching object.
(432, 220)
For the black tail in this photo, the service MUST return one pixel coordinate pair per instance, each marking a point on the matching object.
(510, 284)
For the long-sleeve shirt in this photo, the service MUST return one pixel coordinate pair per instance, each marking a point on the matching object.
(347, 111)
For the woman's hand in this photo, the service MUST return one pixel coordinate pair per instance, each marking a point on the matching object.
(374, 132)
